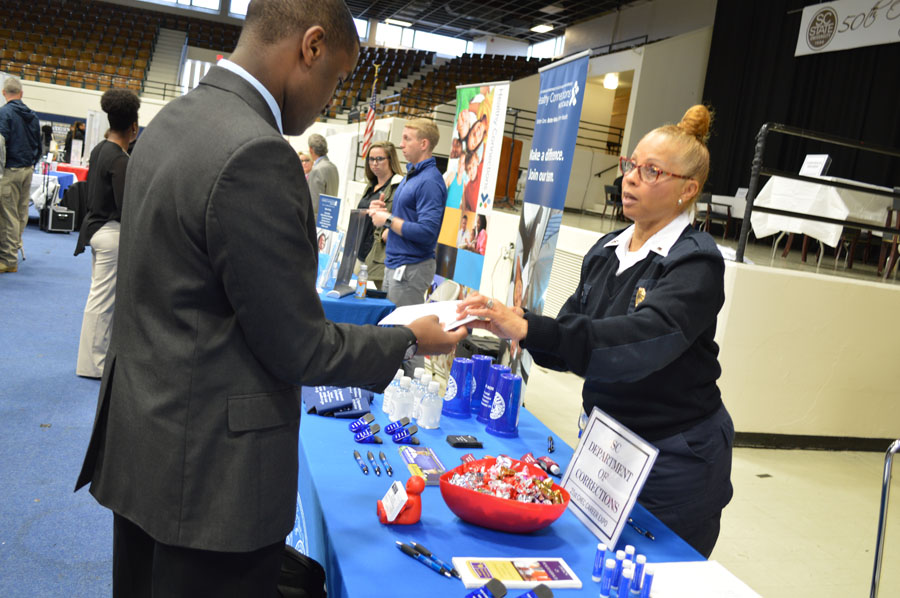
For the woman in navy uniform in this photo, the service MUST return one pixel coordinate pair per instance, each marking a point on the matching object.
(640, 330)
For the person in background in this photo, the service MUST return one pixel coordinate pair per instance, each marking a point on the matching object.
(76, 132)
(640, 329)
(100, 229)
(20, 129)
(306, 161)
(218, 323)
(383, 174)
(414, 221)
(323, 177)
(46, 139)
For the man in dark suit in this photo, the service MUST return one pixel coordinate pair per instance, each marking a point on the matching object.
(217, 322)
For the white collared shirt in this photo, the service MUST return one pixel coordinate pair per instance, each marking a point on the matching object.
(660, 243)
(266, 94)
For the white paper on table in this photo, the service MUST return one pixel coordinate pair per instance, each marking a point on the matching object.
(697, 579)
(444, 310)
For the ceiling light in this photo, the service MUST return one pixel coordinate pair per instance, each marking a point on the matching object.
(552, 9)
(542, 28)
(398, 23)
(611, 80)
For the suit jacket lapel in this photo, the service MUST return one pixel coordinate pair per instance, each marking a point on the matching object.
(228, 81)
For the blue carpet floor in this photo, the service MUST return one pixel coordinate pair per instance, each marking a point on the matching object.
(52, 542)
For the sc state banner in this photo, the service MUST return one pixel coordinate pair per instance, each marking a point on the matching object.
(847, 24)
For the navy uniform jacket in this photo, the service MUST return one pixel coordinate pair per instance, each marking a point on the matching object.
(217, 324)
(643, 341)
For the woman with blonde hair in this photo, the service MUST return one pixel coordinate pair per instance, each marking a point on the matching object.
(383, 174)
(640, 330)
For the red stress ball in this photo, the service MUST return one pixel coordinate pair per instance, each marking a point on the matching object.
(412, 510)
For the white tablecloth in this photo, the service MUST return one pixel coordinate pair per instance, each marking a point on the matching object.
(819, 200)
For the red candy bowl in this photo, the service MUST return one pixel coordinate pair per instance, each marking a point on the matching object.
(494, 512)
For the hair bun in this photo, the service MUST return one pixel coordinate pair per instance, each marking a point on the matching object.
(696, 122)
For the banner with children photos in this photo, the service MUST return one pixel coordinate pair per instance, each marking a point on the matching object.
(549, 165)
(471, 178)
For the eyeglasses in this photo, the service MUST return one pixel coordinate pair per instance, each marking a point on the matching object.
(377, 159)
(305, 160)
(648, 172)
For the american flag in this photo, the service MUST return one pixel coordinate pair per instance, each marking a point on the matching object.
(370, 118)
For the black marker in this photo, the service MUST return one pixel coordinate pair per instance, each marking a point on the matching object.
(550, 447)
(372, 461)
(387, 466)
(362, 465)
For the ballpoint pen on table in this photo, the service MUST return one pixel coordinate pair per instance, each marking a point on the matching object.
(374, 464)
(359, 460)
(409, 551)
(640, 530)
(424, 551)
(387, 466)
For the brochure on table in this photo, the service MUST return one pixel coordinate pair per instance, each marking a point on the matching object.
(606, 474)
(328, 239)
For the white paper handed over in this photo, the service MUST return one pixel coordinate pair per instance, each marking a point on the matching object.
(444, 310)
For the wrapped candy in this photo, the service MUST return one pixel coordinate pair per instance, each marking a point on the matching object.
(508, 479)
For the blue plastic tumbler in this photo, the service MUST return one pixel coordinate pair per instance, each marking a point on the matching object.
(487, 396)
(459, 389)
(504, 415)
(479, 376)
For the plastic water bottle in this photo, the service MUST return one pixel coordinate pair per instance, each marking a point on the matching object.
(391, 391)
(430, 408)
(361, 280)
(402, 402)
(420, 392)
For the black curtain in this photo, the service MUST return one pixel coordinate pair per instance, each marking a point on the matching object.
(753, 78)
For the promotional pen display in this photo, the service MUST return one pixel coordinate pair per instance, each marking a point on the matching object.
(359, 460)
(411, 552)
(375, 467)
(384, 461)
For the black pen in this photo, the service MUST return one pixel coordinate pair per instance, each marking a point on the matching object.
(422, 559)
(550, 447)
(424, 551)
(362, 465)
(372, 461)
(387, 466)
(642, 532)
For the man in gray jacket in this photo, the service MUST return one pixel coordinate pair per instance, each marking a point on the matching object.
(20, 128)
(218, 322)
(323, 178)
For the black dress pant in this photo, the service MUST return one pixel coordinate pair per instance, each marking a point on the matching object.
(690, 482)
(145, 568)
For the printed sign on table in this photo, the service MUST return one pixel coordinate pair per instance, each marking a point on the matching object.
(606, 475)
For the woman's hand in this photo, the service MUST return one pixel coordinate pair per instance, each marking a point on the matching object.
(494, 316)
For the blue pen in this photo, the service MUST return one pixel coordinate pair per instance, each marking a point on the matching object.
(424, 551)
(648, 581)
(409, 551)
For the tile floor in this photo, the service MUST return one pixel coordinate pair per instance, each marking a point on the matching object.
(806, 529)
(802, 523)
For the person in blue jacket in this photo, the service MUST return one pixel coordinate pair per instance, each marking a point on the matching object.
(640, 330)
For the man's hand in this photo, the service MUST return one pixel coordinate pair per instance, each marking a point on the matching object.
(432, 338)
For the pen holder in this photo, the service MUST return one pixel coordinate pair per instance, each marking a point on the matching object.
(487, 396)
(459, 389)
(504, 414)
(480, 370)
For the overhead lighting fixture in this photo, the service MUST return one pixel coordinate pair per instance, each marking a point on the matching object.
(611, 80)
(398, 23)
(552, 9)
(542, 28)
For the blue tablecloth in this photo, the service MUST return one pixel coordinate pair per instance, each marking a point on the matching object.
(66, 179)
(337, 524)
(355, 311)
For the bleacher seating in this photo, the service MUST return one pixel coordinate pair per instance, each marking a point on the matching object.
(93, 44)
